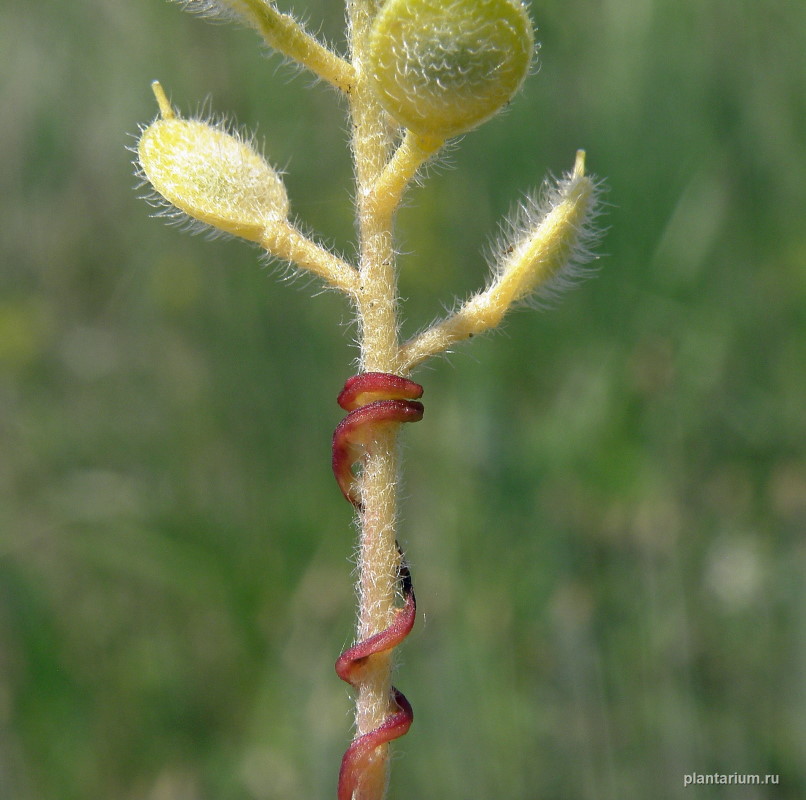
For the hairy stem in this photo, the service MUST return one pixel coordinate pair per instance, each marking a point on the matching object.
(378, 564)
(388, 190)
(282, 239)
(379, 559)
(286, 35)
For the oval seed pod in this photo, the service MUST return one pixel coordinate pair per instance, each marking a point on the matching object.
(211, 175)
(441, 67)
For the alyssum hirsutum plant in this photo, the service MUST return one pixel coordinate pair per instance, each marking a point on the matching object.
(418, 73)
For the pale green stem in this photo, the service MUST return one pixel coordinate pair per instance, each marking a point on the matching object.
(387, 192)
(282, 239)
(287, 36)
(378, 562)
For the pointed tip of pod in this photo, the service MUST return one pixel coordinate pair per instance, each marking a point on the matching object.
(211, 175)
(166, 109)
(579, 165)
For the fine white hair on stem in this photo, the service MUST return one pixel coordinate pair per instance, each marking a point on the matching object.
(215, 10)
(282, 32)
(287, 270)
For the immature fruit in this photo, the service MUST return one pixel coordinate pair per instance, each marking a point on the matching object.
(441, 67)
(212, 176)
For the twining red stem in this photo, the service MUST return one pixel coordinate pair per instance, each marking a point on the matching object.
(373, 399)
(349, 668)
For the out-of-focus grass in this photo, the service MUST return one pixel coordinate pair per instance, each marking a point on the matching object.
(606, 505)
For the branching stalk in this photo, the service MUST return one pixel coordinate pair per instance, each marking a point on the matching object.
(419, 73)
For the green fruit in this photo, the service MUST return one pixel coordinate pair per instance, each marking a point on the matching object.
(441, 67)
(213, 176)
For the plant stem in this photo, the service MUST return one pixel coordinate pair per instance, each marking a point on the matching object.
(378, 559)
(378, 565)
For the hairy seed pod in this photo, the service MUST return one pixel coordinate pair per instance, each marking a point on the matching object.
(441, 67)
(212, 175)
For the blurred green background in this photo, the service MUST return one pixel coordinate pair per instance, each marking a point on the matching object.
(604, 507)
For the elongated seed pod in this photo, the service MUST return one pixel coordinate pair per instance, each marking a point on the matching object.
(441, 67)
(546, 245)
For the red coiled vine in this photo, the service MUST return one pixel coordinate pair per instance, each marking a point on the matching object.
(373, 399)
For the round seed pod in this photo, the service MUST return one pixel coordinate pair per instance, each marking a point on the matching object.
(441, 67)
(212, 175)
